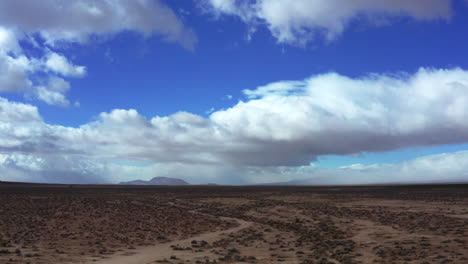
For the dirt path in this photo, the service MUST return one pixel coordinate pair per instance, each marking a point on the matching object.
(161, 251)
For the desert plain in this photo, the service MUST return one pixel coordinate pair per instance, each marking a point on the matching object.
(233, 224)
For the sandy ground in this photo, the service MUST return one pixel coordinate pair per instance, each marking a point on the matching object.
(219, 224)
(165, 251)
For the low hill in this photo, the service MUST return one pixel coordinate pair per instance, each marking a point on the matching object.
(157, 181)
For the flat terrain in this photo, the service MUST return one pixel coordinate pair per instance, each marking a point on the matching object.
(224, 224)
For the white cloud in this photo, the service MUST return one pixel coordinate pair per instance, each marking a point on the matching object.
(61, 65)
(300, 21)
(12, 112)
(282, 126)
(440, 168)
(447, 167)
(14, 73)
(291, 122)
(8, 41)
(14, 67)
(58, 20)
(53, 93)
(16, 70)
(51, 168)
(61, 21)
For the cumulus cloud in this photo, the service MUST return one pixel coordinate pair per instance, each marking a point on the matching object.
(54, 92)
(45, 23)
(14, 73)
(292, 122)
(17, 71)
(300, 21)
(288, 123)
(59, 64)
(285, 124)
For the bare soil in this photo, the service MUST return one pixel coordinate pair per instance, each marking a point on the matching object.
(226, 224)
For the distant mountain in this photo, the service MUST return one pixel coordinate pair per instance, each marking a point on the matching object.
(158, 181)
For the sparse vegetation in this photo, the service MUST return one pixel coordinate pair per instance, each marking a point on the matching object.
(235, 224)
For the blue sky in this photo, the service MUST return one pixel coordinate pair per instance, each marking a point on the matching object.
(189, 63)
(160, 78)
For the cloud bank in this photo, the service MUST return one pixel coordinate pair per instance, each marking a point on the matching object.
(279, 129)
(440, 168)
(301, 21)
(49, 25)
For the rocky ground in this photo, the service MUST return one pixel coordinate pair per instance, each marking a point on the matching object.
(220, 224)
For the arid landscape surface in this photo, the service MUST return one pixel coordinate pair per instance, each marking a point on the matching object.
(225, 224)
